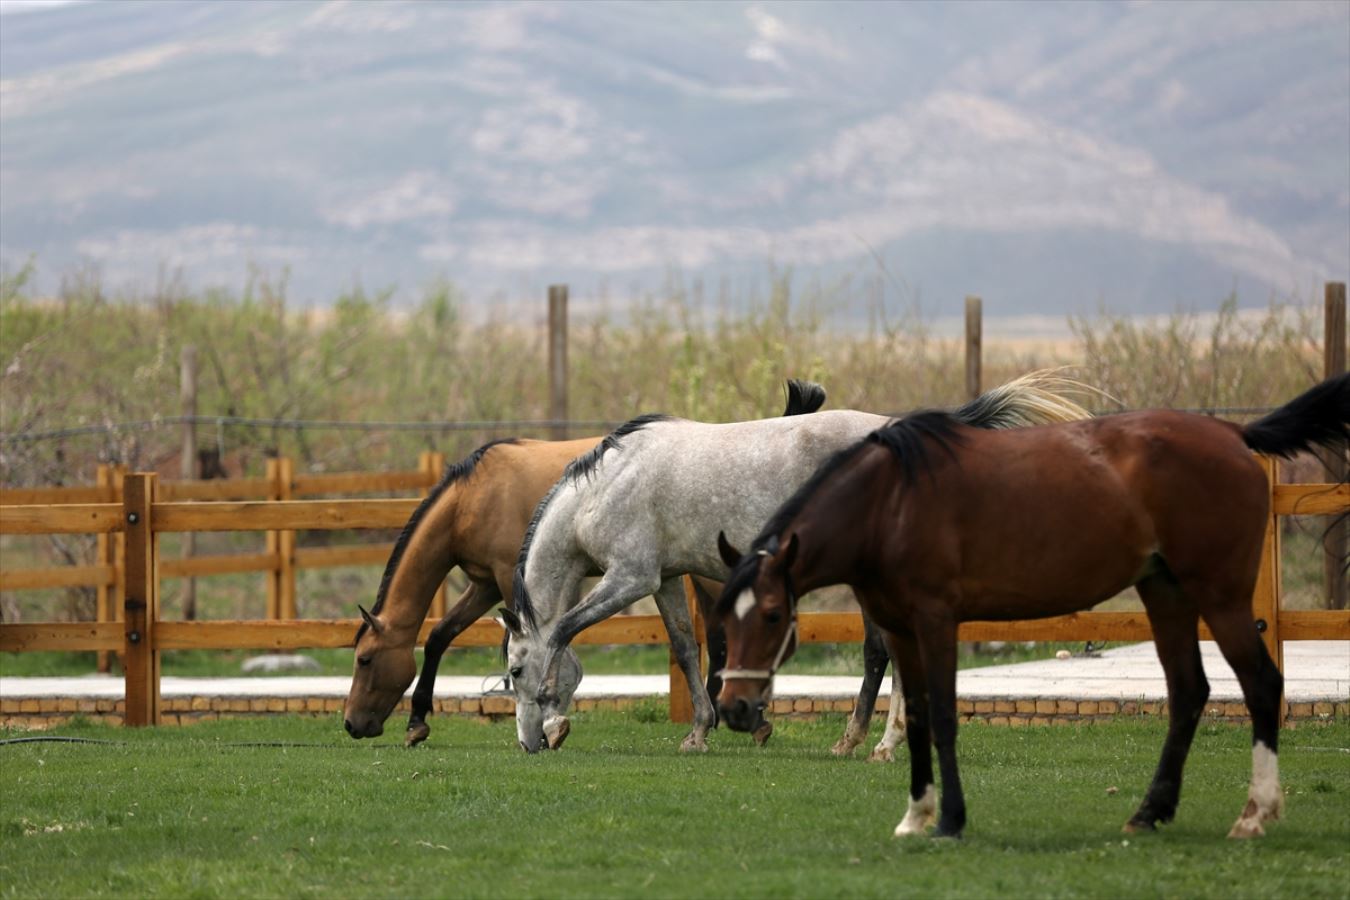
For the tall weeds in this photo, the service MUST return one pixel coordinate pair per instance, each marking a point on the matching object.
(85, 358)
(88, 359)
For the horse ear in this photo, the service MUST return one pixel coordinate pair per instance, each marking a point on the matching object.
(790, 553)
(509, 620)
(730, 555)
(375, 624)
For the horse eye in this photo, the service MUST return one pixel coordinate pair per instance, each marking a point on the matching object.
(363, 660)
(516, 670)
(773, 616)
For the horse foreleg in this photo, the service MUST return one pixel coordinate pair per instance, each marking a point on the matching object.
(923, 798)
(473, 602)
(1173, 620)
(875, 659)
(615, 591)
(937, 636)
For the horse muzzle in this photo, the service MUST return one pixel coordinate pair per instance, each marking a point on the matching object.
(741, 714)
(371, 728)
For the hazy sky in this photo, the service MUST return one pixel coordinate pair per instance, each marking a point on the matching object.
(1052, 156)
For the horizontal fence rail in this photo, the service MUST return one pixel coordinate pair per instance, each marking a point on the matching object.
(135, 509)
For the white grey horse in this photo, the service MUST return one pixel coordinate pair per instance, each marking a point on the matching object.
(645, 507)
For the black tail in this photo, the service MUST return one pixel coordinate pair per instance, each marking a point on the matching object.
(803, 397)
(1317, 417)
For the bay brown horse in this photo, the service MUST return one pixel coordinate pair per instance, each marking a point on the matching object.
(933, 523)
(475, 518)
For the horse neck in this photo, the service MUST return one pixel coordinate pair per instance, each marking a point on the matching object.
(555, 563)
(428, 556)
(833, 527)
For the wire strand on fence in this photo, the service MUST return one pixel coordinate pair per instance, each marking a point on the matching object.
(471, 425)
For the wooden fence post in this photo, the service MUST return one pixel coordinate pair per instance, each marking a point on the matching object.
(974, 382)
(187, 466)
(974, 346)
(557, 359)
(281, 544)
(1338, 530)
(432, 463)
(105, 594)
(140, 601)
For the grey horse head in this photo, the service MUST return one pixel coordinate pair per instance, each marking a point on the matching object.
(539, 726)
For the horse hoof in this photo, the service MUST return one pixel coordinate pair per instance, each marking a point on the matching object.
(556, 731)
(694, 744)
(1138, 827)
(843, 747)
(417, 733)
(881, 754)
(762, 734)
(1247, 828)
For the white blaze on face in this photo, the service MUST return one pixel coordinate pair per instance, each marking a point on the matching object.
(744, 603)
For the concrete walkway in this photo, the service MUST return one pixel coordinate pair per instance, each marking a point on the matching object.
(1314, 671)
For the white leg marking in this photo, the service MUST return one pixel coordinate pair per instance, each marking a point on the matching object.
(884, 751)
(1265, 799)
(853, 736)
(920, 813)
(744, 603)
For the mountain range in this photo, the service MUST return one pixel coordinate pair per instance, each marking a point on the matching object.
(1053, 158)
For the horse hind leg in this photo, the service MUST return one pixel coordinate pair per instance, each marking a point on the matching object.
(675, 613)
(1174, 621)
(875, 658)
(1234, 630)
(884, 751)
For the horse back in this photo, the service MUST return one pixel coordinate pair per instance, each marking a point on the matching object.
(1090, 504)
(494, 506)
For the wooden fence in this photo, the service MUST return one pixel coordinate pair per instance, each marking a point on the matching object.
(281, 560)
(128, 517)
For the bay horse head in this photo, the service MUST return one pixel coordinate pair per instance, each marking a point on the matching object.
(383, 669)
(759, 613)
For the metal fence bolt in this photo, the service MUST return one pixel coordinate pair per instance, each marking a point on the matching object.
(1261, 626)
(133, 518)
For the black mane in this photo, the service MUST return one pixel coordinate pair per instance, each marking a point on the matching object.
(453, 472)
(581, 467)
(909, 439)
(585, 464)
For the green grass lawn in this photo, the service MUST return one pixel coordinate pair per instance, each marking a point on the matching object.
(621, 813)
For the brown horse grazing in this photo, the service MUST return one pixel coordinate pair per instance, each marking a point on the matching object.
(475, 518)
(933, 524)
